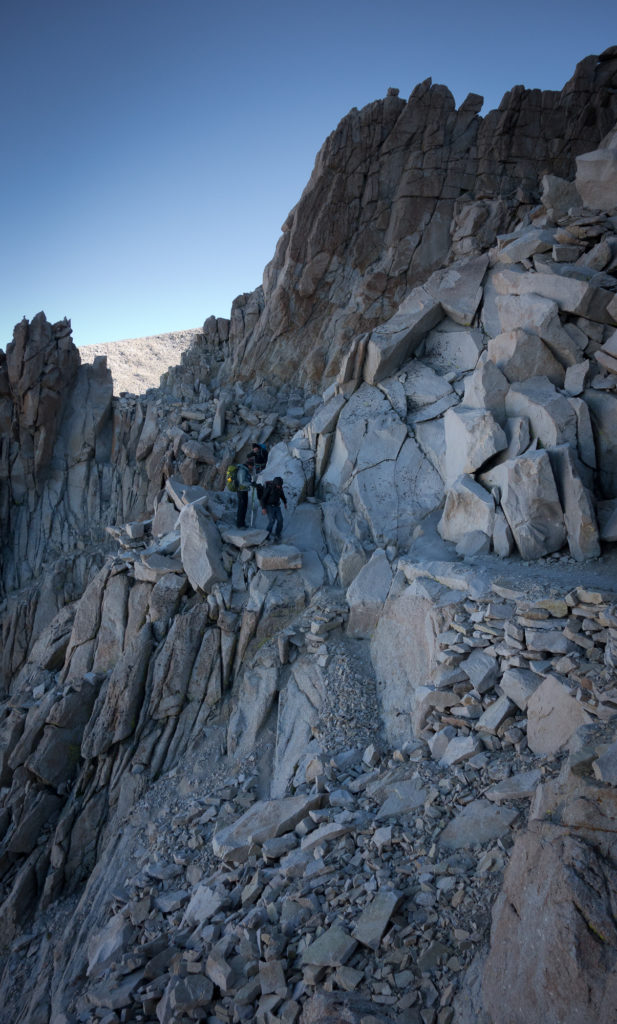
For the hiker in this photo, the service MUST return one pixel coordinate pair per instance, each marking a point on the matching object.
(240, 479)
(271, 498)
(259, 453)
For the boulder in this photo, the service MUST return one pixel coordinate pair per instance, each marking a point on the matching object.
(519, 684)
(529, 242)
(264, 820)
(551, 416)
(540, 316)
(152, 568)
(392, 496)
(200, 548)
(577, 504)
(244, 538)
(448, 349)
(520, 354)
(559, 195)
(278, 556)
(530, 503)
(424, 387)
(570, 294)
(603, 408)
(468, 507)
(553, 716)
(391, 343)
(486, 388)
(367, 595)
(553, 943)
(596, 176)
(479, 822)
(458, 288)
(472, 437)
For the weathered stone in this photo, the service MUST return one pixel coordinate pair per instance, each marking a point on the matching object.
(603, 409)
(266, 819)
(394, 341)
(486, 388)
(577, 504)
(152, 568)
(472, 437)
(468, 507)
(521, 354)
(200, 549)
(332, 949)
(458, 288)
(447, 348)
(559, 195)
(596, 176)
(553, 715)
(374, 919)
(494, 715)
(607, 519)
(549, 413)
(519, 684)
(531, 505)
(459, 749)
(405, 796)
(517, 787)
(553, 911)
(571, 295)
(576, 378)
(244, 538)
(478, 822)
(280, 556)
(367, 594)
(528, 243)
(481, 669)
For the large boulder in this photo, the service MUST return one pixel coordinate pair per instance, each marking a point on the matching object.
(550, 414)
(468, 507)
(473, 436)
(596, 175)
(393, 342)
(201, 548)
(577, 504)
(367, 594)
(530, 502)
(521, 354)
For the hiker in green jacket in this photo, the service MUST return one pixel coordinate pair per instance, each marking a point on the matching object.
(244, 479)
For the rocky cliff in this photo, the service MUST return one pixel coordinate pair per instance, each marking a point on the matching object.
(367, 774)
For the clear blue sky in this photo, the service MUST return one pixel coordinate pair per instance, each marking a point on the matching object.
(153, 148)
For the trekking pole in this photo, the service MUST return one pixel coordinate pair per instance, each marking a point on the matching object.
(252, 504)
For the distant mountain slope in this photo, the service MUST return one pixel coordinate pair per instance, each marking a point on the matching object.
(136, 364)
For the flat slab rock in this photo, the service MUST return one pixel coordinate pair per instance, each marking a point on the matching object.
(279, 556)
(479, 822)
(245, 538)
(332, 949)
(264, 820)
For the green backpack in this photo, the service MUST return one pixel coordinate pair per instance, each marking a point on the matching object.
(232, 478)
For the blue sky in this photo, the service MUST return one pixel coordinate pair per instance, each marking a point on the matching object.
(153, 148)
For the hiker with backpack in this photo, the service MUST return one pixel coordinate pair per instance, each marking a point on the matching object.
(240, 479)
(259, 453)
(271, 498)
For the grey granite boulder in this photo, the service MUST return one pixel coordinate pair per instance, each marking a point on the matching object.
(530, 502)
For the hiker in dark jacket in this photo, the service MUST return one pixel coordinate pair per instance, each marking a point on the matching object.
(259, 453)
(271, 498)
